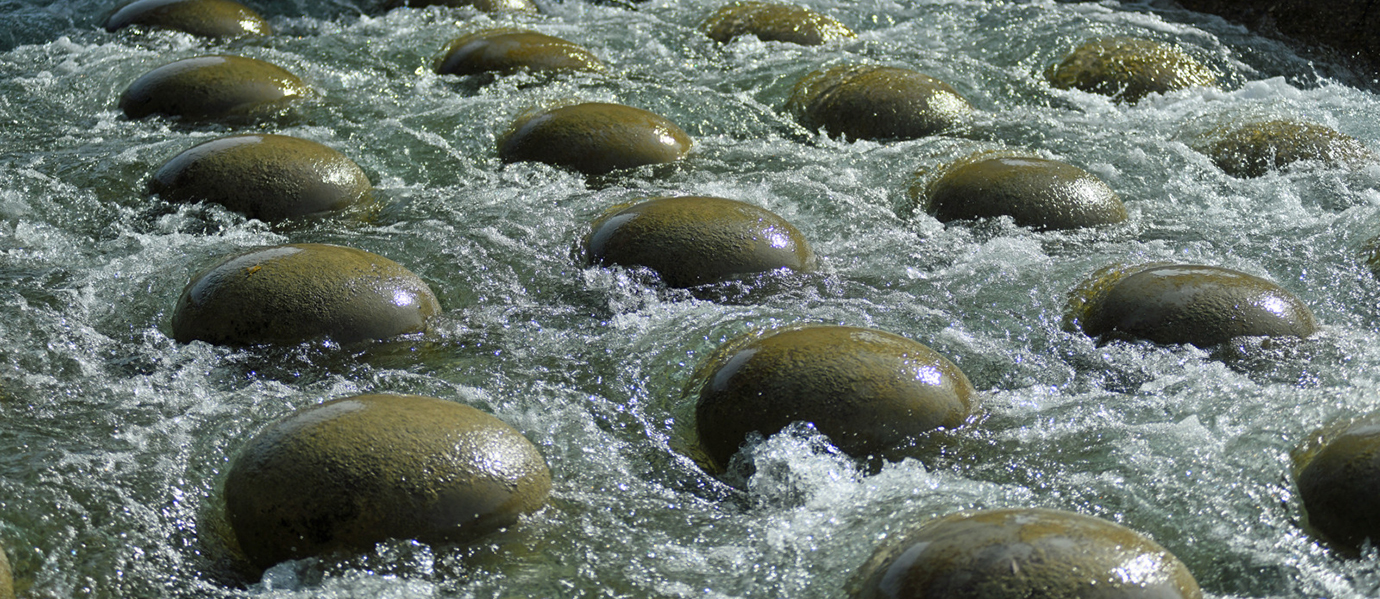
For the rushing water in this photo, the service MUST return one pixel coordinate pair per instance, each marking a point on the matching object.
(115, 438)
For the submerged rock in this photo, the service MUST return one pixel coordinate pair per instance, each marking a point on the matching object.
(349, 473)
(594, 138)
(1022, 554)
(293, 293)
(875, 102)
(1128, 69)
(1184, 303)
(491, 6)
(209, 88)
(872, 392)
(506, 51)
(1253, 149)
(1034, 192)
(268, 177)
(206, 18)
(772, 22)
(692, 241)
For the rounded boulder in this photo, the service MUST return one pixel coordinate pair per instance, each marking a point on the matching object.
(268, 177)
(772, 22)
(1338, 484)
(1253, 149)
(352, 472)
(293, 293)
(1034, 192)
(877, 103)
(209, 88)
(1020, 554)
(1185, 303)
(594, 138)
(1128, 69)
(872, 392)
(205, 18)
(692, 241)
(505, 52)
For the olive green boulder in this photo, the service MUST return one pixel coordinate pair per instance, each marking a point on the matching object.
(1339, 481)
(1184, 303)
(1128, 69)
(692, 241)
(352, 472)
(205, 18)
(872, 392)
(490, 6)
(293, 293)
(210, 88)
(1253, 149)
(877, 103)
(505, 51)
(772, 22)
(1023, 554)
(594, 138)
(1034, 192)
(6, 577)
(268, 177)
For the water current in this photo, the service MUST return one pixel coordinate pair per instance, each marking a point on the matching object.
(115, 438)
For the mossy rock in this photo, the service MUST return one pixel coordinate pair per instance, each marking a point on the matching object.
(1338, 481)
(692, 241)
(268, 177)
(210, 88)
(1020, 554)
(1253, 149)
(489, 6)
(772, 22)
(1034, 192)
(293, 293)
(594, 138)
(507, 51)
(876, 103)
(206, 18)
(1128, 69)
(1184, 303)
(872, 392)
(349, 473)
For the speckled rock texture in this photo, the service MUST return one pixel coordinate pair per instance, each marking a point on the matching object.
(507, 51)
(1128, 69)
(223, 19)
(349, 473)
(772, 22)
(268, 177)
(872, 392)
(1184, 303)
(876, 103)
(293, 293)
(1034, 192)
(692, 241)
(1253, 149)
(1023, 554)
(210, 88)
(594, 138)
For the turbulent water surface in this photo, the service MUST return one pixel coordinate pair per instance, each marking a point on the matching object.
(115, 438)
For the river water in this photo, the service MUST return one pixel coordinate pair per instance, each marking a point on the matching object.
(115, 437)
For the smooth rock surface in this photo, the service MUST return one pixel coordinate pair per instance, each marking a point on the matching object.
(875, 102)
(1253, 149)
(1034, 192)
(772, 22)
(506, 51)
(594, 138)
(209, 88)
(489, 6)
(206, 18)
(1128, 69)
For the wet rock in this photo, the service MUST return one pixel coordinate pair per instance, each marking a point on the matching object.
(293, 293)
(6, 577)
(209, 88)
(268, 177)
(873, 393)
(1339, 481)
(594, 138)
(506, 51)
(205, 18)
(1253, 149)
(1184, 303)
(1023, 553)
(1128, 69)
(491, 6)
(1349, 28)
(349, 473)
(691, 241)
(1034, 192)
(772, 22)
(875, 102)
